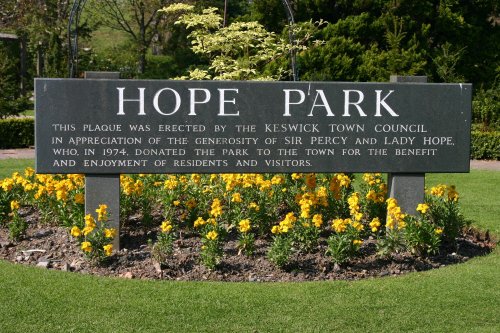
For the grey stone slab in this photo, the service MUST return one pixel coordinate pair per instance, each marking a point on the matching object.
(104, 189)
(156, 126)
(407, 189)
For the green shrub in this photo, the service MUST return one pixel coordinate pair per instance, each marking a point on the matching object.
(17, 133)
(486, 108)
(422, 236)
(485, 145)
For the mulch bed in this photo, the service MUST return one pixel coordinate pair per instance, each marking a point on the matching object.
(53, 248)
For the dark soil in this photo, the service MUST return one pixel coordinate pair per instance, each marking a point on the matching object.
(54, 248)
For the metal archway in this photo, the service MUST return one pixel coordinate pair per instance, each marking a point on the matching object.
(77, 9)
(74, 20)
(291, 37)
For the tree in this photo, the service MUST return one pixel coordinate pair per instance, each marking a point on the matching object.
(43, 24)
(437, 38)
(11, 103)
(239, 51)
(138, 18)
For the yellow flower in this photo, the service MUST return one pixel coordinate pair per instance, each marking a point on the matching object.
(438, 190)
(277, 180)
(108, 249)
(176, 203)
(375, 224)
(191, 203)
(236, 197)
(14, 205)
(343, 180)
(357, 242)
(171, 183)
(87, 230)
(356, 225)
(86, 247)
(212, 235)
(76, 232)
(245, 225)
(339, 225)
(102, 212)
(79, 198)
(422, 208)
(216, 208)
(109, 233)
(317, 220)
(452, 193)
(283, 228)
(195, 178)
(61, 195)
(358, 216)
(438, 231)
(372, 195)
(311, 180)
(28, 172)
(199, 222)
(89, 221)
(353, 202)
(254, 206)
(305, 210)
(166, 226)
(275, 229)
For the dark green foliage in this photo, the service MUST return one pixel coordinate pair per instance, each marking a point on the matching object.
(485, 145)
(11, 102)
(370, 40)
(270, 13)
(486, 108)
(160, 67)
(17, 227)
(421, 236)
(280, 251)
(17, 133)
(56, 57)
(234, 9)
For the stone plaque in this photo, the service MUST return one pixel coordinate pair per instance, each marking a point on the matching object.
(159, 126)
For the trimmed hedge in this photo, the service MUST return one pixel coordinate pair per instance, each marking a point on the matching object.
(485, 145)
(17, 133)
(20, 133)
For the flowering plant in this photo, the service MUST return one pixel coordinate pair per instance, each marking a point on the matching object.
(95, 238)
(17, 225)
(163, 248)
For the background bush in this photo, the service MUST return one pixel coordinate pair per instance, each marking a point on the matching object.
(485, 145)
(17, 133)
(486, 108)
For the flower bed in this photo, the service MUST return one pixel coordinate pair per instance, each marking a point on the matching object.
(235, 227)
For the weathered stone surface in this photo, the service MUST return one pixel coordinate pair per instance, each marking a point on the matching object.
(141, 126)
(65, 267)
(43, 263)
(5, 243)
(127, 275)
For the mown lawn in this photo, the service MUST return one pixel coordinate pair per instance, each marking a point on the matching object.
(460, 298)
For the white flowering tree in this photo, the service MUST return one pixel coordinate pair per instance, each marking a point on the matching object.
(239, 51)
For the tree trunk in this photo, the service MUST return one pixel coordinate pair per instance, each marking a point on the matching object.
(141, 68)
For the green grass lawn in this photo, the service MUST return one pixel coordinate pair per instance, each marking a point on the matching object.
(28, 113)
(9, 165)
(459, 298)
